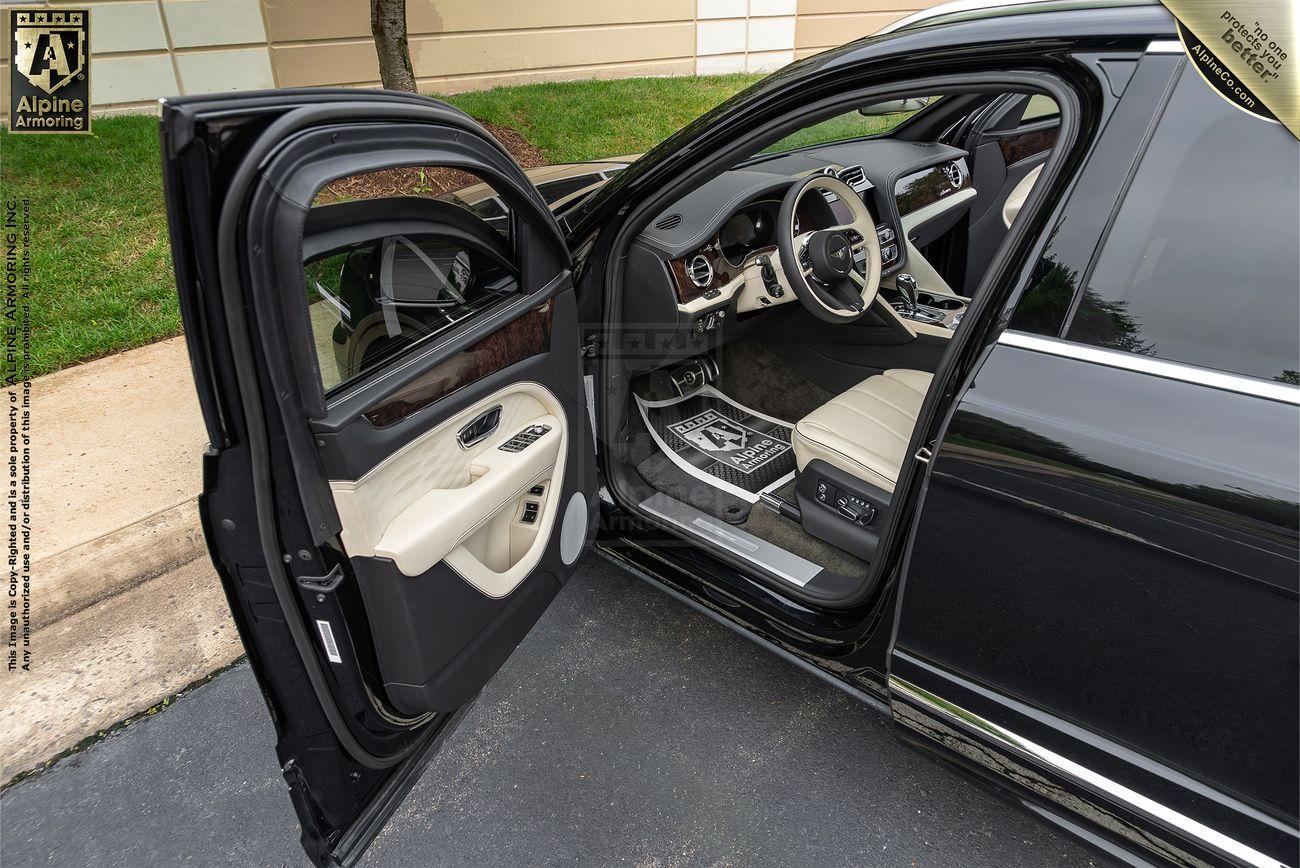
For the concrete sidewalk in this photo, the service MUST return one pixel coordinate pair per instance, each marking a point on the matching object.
(126, 609)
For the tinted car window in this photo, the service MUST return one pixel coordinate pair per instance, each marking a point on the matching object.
(554, 191)
(1039, 107)
(376, 299)
(1200, 265)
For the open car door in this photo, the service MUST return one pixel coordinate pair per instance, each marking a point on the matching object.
(401, 473)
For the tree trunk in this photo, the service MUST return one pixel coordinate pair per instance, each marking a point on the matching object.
(388, 25)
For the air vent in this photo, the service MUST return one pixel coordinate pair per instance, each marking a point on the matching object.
(852, 175)
(671, 221)
(953, 171)
(700, 271)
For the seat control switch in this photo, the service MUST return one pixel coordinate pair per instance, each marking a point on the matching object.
(849, 506)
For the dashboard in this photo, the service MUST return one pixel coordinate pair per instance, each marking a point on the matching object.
(711, 257)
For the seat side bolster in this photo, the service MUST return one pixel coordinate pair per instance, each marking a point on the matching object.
(820, 443)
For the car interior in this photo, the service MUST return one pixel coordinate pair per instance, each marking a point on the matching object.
(782, 322)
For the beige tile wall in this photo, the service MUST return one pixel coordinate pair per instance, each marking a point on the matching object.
(147, 49)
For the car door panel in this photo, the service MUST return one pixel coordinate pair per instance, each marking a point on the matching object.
(1148, 593)
(440, 622)
(433, 498)
(382, 552)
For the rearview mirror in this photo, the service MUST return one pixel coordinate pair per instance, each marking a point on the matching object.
(895, 106)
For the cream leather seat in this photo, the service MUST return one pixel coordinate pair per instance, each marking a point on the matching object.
(865, 431)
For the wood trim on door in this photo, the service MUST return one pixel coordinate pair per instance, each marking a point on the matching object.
(528, 335)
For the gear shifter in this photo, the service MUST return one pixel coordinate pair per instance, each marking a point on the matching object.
(906, 284)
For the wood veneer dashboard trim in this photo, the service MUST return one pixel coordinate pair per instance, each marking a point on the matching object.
(927, 186)
(723, 273)
(524, 336)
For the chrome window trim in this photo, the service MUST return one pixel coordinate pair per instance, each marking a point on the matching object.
(1165, 46)
(952, 713)
(1238, 383)
(1006, 7)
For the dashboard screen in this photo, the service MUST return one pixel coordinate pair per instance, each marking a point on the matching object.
(746, 232)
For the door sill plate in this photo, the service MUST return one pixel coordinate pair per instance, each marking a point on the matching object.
(771, 559)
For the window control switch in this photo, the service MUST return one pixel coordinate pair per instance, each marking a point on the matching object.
(524, 438)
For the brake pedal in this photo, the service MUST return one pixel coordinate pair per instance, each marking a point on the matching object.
(690, 376)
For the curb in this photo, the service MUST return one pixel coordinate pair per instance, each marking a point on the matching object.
(113, 660)
(83, 575)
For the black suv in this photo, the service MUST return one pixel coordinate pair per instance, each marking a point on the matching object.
(958, 365)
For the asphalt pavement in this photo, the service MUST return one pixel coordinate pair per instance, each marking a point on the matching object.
(627, 729)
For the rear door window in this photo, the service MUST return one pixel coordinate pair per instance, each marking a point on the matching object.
(1201, 264)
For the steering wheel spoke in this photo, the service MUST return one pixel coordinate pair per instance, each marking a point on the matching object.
(859, 225)
(831, 288)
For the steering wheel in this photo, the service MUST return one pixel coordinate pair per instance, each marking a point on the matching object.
(820, 264)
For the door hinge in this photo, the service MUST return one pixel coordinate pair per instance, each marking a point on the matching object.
(323, 584)
(923, 455)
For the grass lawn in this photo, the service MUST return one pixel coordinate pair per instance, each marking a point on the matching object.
(102, 278)
(587, 120)
(100, 257)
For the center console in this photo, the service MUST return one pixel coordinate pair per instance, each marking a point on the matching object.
(917, 305)
(939, 310)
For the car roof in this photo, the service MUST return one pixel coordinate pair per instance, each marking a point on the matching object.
(973, 10)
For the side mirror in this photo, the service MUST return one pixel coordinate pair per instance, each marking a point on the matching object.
(895, 106)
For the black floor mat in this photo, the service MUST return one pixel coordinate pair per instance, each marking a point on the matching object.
(665, 476)
(721, 443)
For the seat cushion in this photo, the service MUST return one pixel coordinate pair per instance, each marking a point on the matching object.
(865, 431)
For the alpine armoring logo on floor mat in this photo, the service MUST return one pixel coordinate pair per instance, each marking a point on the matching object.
(729, 442)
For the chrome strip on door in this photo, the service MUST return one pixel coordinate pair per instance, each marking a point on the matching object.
(1165, 46)
(1081, 775)
(1283, 392)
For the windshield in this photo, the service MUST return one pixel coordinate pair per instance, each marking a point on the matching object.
(842, 127)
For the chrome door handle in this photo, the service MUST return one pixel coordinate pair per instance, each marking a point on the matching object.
(479, 429)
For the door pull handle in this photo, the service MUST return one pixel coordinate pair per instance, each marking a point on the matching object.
(479, 429)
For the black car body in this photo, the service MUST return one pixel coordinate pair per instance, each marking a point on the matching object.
(1082, 586)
